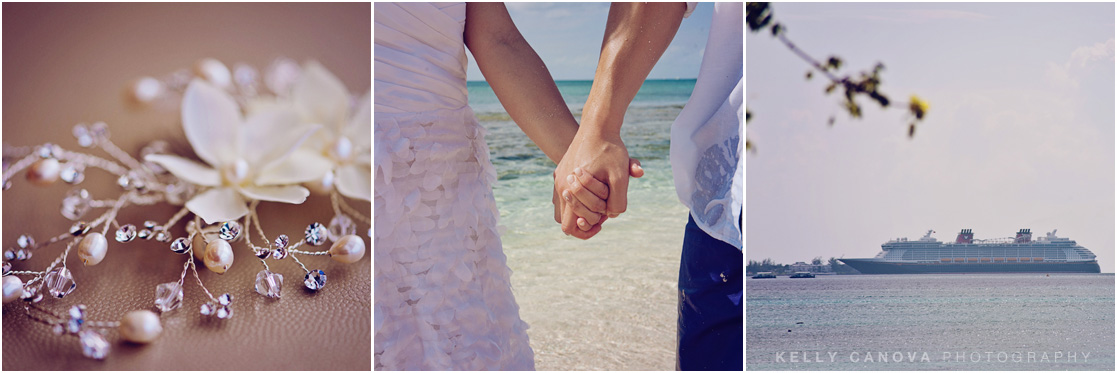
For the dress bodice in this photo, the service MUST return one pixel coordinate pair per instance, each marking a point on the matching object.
(419, 57)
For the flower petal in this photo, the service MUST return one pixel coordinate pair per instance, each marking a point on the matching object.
(210, 119)
(287, 193)
(320, 96)
(300, 166)
(271, 134)
(359, 129)
(190, 171)
(354, 182)
(218, 205)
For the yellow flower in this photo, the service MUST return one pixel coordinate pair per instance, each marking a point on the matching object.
(918, 107)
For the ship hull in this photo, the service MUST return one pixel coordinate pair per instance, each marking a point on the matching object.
(878, 267)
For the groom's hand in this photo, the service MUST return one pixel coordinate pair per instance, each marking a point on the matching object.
(602, 157)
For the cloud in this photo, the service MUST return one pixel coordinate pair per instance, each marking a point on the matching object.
(1083, 61)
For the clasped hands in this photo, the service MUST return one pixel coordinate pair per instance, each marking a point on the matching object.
(591, 182)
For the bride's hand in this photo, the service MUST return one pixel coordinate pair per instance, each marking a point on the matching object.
(579, 190)
(587, 195)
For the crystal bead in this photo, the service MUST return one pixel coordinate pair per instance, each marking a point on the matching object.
(168, 296)
(93, 345)
(281, 241)
(76, 203)
(207, 309)
(139, 184)
(341, 226)
(162, 236)
(79, 228)
(126, 233)
(150, 224)
(281, 75)
(9, 255)
(23, 254)
(262, 251)
(316, 234)
(124, 182)
(77, 318)
(229, 231)
(48, 150)
(315, 279)
(31, 292)
(144, 234)
(59, 282)
(269, 284)
(224, 312)
(58, 329)
(180, 245)
(225, 299)
(7, 268)
(72, 174)
(85, 139)
(178, 193)
(24, 241)
(279, 253)
(99, 131)
(245, 77)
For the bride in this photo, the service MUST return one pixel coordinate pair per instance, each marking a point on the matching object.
(443, 295)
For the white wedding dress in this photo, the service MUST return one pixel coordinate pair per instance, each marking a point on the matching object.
(443, 296)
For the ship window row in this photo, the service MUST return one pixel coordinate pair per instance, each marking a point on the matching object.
(939, 254)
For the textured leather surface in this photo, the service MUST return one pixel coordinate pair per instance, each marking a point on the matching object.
(65, 64)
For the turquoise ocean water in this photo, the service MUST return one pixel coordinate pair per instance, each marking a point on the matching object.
(609, 302)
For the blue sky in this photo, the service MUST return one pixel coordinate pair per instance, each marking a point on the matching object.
(567, 37)
(1020, 132)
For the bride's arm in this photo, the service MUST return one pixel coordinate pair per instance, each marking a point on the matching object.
(519, 78)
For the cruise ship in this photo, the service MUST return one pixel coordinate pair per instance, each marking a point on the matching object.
(967, 255)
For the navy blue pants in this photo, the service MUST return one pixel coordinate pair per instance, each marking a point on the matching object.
(711, 283)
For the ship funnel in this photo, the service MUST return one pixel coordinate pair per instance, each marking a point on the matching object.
(965, 236)
(1024, 236)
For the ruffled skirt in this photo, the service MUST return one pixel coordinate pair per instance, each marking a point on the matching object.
(443, 294)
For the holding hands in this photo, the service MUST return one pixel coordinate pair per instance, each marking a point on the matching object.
(591, 182)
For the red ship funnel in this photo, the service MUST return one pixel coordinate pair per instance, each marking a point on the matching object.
(965, 236)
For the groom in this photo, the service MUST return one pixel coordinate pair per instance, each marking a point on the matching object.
(706, 145)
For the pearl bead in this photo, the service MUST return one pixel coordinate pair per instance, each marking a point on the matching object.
(147, 89)
(141, 326)
(323, 186)
(44, 172)
(348, 249)
(236, 172)
(92, 248)
(214, 71)
(199, 245)
(219, 256)
(342, 149)
(13, 288)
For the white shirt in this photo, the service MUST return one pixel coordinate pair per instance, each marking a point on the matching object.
(706, 138)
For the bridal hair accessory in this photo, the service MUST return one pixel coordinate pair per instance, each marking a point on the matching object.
(260, 141)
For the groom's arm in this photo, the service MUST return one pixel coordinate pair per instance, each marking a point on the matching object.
(636, 35)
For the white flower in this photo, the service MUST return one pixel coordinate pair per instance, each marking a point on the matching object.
(345, 146)
(242, 154)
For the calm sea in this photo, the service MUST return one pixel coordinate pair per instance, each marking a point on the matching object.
(910, 322)
(608, 303)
